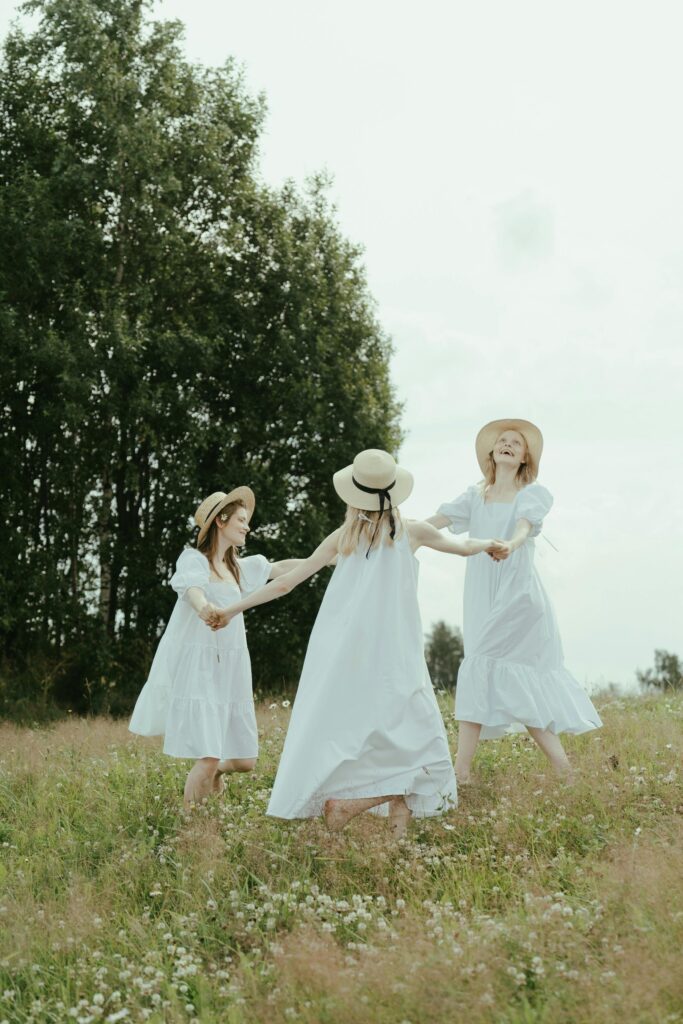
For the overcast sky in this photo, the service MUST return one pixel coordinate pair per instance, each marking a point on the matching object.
(515, 174)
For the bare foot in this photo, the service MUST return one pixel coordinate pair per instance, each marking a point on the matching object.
(337, 813)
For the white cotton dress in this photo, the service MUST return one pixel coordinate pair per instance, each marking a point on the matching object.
(513, 672)
(198, 694)
(365, 720)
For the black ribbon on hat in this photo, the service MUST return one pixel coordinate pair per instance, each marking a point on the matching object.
(196, 530)
(383, 496)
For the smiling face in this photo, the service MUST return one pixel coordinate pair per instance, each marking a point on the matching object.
(234, 526)
(510, 449)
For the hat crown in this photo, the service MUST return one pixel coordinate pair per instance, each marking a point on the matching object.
(204, 509)
(374, 468)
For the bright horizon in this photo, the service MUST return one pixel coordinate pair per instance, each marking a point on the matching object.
(515, 176)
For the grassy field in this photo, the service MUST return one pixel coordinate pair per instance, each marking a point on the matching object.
(533, 902)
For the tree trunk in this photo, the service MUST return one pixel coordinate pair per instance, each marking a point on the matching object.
(104, 536)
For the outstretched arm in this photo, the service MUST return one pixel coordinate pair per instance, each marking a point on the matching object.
(197, 598)
(424, 534)
(283, 584)
(283, 566)
(287, 564)
(438, 521)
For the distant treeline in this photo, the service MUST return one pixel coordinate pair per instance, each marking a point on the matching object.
(170, 326)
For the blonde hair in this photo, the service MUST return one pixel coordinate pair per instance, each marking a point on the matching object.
(209, 541)
(526, 474)
(359, 527)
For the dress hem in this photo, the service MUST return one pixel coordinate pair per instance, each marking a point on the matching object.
(548, 699)
(411, 785)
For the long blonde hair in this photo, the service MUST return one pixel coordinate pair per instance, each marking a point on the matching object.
(526, 474)
(209, 541)
(359, 528)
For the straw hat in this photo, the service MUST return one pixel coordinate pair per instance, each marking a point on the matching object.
(374, 482)
(488, 435)
(212, 505)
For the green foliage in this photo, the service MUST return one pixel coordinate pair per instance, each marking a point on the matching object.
(170, 326)
(444, 651)
(666, 675)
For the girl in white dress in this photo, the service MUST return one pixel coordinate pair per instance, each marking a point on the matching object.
(365, 729)
(513, 673)
(198, 694)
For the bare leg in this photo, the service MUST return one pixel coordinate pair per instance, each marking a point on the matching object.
(468, 738)
(552, 748)
(236, 764)
(399, 817)
(199, 782)
(337, 813)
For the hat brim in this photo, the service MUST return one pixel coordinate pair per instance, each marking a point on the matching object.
(244, 494)
(488, 435)
(348, 492)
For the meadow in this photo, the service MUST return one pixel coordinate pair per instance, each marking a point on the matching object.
(534, 902)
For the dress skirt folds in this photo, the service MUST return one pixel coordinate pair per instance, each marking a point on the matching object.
(198, 695)
(365, 720)
(513, 673)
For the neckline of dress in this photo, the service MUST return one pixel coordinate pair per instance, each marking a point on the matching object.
(485, 502)
(217, 579)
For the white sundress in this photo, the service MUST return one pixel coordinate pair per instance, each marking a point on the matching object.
(365, 721)
(513, 672)
(199, 694)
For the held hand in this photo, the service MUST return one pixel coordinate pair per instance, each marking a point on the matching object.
(499, 550)
(206, 612)
(477, 545)
(221, 618)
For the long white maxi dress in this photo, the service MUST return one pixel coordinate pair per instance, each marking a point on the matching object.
(513, 672)
(199, 694)
(365, 720)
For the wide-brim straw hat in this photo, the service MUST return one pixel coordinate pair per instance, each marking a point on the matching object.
(211, 506)
(373, 474)
(488, 435)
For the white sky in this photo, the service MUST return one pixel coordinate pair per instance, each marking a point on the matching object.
(515, 173)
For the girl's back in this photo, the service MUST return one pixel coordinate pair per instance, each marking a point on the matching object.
(365, 720)
(369, 623)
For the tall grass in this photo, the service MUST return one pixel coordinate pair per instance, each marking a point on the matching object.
(532, 902)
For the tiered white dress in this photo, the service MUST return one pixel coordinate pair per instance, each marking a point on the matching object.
(365, 720)
(198, 694)
(513, 672)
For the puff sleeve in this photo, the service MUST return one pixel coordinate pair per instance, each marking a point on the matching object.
(254, 572)
(459, 511)
(534, 503)
(192, 570)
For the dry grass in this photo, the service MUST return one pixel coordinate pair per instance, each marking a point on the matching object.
(533, 902)
(31, 749)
